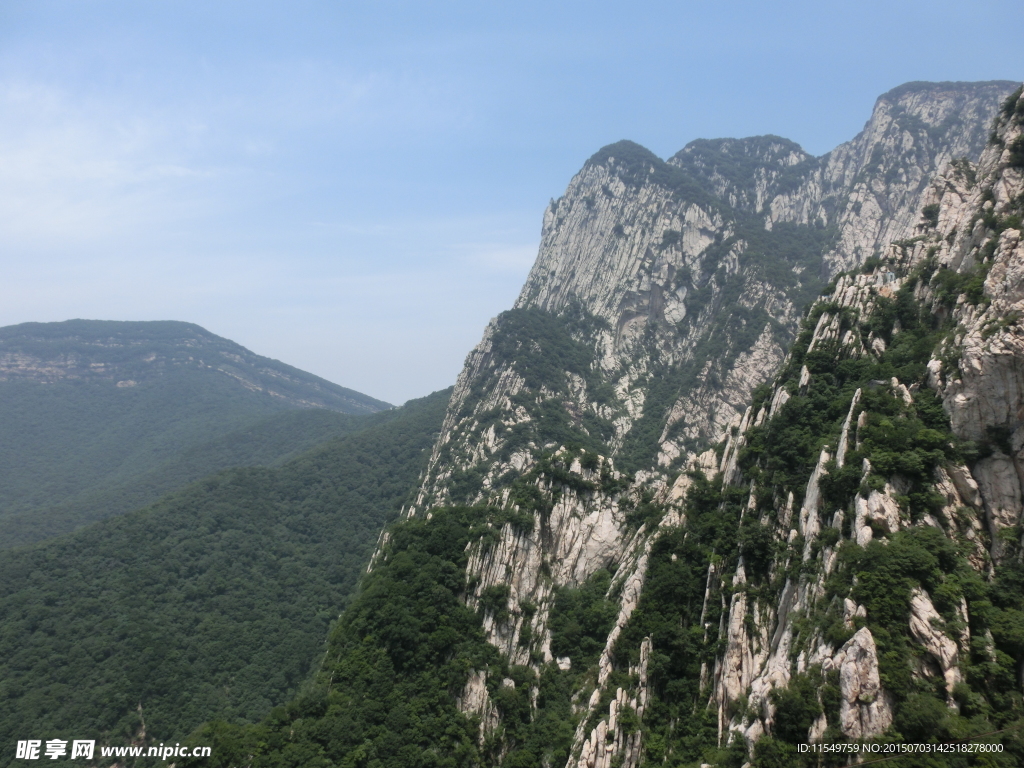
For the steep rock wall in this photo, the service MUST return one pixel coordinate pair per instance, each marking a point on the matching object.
(962, 274)
(663, 296)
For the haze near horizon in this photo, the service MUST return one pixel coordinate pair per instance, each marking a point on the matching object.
(355, 191)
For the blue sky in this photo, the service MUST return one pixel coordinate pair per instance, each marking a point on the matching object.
(356, 188)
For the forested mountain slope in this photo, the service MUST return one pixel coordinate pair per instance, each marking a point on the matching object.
(215, 601)
(655, 531)
(99, 417)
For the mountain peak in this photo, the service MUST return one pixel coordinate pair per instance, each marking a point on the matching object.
(767, 149)
(625, 154)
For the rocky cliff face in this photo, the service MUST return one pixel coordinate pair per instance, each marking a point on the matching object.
(873, 187)
(692, 274)
(972, 228)
(811, 560)
(941, 312)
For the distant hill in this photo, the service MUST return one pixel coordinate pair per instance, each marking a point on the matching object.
(129, 354)
(216, 601)
(101, 417)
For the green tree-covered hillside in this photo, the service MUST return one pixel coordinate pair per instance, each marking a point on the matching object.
(98, 418)
(214, 602)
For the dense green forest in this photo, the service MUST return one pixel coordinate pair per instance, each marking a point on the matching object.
(214, 602)
(75, 446)
(270, 441)
(402, 652)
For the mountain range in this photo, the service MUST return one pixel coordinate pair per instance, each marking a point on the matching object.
(739, 472)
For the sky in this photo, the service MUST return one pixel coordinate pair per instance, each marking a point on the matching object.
(356, 188)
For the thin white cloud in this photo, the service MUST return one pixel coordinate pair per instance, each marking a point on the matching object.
(74, 171)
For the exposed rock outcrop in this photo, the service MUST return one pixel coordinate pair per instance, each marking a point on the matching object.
(663, 297)
(865, 709)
